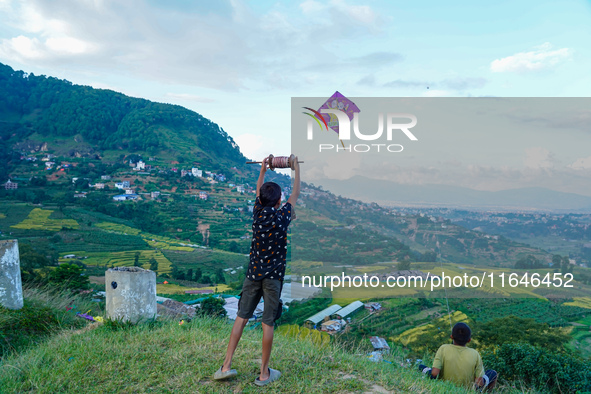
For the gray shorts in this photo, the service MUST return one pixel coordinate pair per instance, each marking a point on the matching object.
(252, 291)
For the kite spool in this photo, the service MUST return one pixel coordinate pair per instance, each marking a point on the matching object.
(278, 162)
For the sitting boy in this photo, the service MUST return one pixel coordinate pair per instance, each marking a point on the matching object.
(460, 364)
(266, 270)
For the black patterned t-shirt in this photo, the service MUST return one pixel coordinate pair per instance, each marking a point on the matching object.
(268, 249)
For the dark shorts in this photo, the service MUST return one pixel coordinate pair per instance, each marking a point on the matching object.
(252, 291)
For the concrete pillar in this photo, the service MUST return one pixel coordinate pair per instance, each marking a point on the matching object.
(131, 294)
(11, 288)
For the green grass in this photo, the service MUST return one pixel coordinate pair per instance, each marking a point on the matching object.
(43, 314)
(166, 357)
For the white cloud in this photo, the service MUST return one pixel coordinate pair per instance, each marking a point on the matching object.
(223, 45)
(542, 57)
(538, 158)
(189, 97)
(583, 163)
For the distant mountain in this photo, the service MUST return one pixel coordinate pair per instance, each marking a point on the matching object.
(392, 194)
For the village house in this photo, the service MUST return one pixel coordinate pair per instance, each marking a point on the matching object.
(240, 189)
(9, 185)
(203, 195)
(105, 177)
(98, 186)
(122, 185)
(373, 306)
(333, 326)
(197, 172)
(125, 197)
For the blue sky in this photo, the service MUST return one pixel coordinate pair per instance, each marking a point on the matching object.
(240, 62)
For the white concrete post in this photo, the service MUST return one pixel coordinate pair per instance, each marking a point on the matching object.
(11, 288)
(131, 294)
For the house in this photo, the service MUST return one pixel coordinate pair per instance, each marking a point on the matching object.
(125, 197)
(122, 185)
(140, 166)
(129, 191)
(203, 195)
(333, 326)
(105, 177)
(80, 195)
(70, 256)
(99, 185)
(197, 172)
(349, 310)
(9, 185)
(185, 173)
(318, 317)
(379, 344)
(373, 306)
(240, 189)
(155, 194)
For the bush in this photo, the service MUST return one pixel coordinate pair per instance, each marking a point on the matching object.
(540, 368)
(69, 276)
(213, 306)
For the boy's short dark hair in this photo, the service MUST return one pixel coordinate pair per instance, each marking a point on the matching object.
(461, 333)
(270, 194)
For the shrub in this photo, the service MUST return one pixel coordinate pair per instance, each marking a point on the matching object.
(540, 368)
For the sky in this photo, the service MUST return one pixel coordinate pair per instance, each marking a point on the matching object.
(239, 63)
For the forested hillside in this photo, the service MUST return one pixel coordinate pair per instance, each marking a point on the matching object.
(38, 109)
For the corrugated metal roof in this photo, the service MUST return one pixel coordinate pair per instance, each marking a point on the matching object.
(317, 318)
(352, 307)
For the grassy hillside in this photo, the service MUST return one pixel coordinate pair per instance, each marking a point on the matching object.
(167, 357)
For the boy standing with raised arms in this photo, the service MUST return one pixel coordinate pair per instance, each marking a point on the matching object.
(266, 270)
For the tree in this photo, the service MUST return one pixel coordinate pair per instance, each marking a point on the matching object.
(219, 276)
(512, 329)
(403, 265)
(430, 256)
(153, 264)
(189, 275)
(529, 262)
(136, 259)
(69, 276)
(197, 275)
(213, 306)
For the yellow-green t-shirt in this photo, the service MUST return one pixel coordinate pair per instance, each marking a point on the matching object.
(459, 364)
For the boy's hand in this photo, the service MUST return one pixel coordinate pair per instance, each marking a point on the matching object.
(264, 164)
(296, 164)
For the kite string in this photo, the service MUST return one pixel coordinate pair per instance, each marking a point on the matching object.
(279, 161)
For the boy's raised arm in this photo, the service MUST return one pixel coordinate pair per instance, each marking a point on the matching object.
(261, 179)
(295, 193)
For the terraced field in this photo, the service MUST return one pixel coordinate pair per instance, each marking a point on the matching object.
(38, 219)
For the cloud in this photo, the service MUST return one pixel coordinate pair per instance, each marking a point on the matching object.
(368, 80)
(189, 97)
(406, 84)
(583, 163)
(225, 45)
(543, 57)
(538, 158)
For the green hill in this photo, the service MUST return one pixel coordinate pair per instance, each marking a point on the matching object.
(46, 113)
